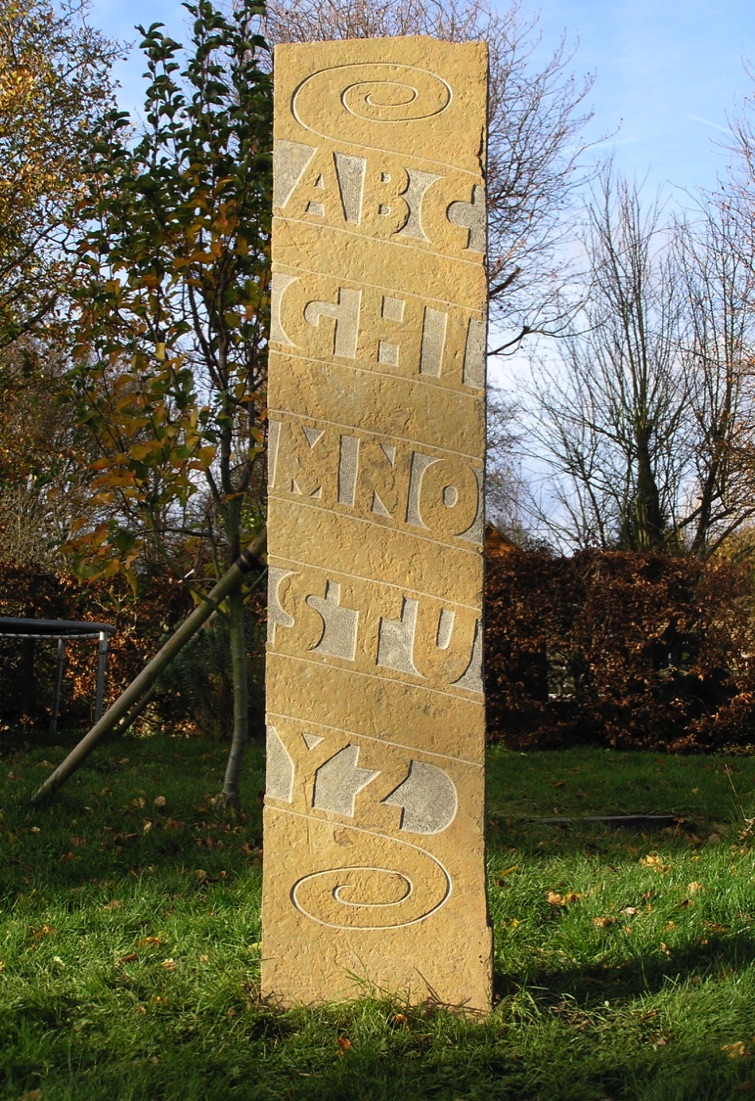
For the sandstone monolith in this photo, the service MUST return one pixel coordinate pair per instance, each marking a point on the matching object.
(374, 870)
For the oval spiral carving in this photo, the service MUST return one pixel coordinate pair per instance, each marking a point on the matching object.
(337, 102)
(368, 896)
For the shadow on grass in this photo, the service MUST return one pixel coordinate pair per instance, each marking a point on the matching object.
(131, 807)
(714, 957)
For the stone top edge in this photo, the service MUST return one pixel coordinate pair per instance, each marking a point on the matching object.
(398, 40)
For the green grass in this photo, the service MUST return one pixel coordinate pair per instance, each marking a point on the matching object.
(129, 941)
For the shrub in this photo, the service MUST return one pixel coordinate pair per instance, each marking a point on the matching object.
(622, 649)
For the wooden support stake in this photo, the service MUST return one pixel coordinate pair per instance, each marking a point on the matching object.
(141, 684)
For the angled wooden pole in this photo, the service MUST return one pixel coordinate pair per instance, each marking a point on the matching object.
(132, 696)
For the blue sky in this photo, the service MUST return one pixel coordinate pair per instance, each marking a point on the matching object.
(667, 74)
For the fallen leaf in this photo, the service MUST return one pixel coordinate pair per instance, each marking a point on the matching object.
(570, 897)
(150, 942)
(160, 801)
(735, 1051)
(630, 911)
(343, 1043)
(654, 861)
(169, 964)
(666, 950)
(604, 922)
(695, 887)
(130, 958)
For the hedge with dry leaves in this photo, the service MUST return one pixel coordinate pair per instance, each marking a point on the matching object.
(628, 650)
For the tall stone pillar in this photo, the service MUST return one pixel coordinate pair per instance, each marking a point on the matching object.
(374, 873)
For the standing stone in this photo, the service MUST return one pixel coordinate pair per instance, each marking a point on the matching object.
(374, 876)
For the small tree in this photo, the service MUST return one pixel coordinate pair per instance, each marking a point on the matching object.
(172, 317)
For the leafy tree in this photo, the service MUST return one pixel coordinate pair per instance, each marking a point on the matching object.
(42, 469)
(54, 82)
(172, 317)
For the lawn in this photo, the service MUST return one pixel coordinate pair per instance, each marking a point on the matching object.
(129, 941)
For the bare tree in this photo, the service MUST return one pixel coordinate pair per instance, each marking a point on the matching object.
(612, 400)
(536, 116)
(718, 268)
(645, 419)
(506, 491)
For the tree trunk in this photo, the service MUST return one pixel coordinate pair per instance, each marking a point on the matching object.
(648, 518)
(230, 797)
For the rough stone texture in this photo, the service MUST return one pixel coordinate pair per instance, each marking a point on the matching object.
(374, 856)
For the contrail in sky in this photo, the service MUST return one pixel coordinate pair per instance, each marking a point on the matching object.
(707, 122)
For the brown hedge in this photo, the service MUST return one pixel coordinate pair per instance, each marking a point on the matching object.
(612, 648)
(620, 649)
